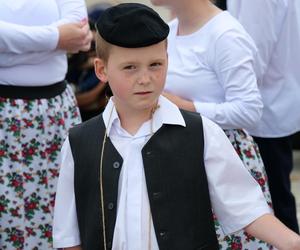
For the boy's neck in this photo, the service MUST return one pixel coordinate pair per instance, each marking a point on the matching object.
(132, 121)
(195, 15)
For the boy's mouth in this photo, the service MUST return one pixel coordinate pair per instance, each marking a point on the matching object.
(143, 93)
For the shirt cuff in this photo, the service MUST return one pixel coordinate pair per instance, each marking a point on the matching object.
(66, 242)
(254, 214)
(53, 40)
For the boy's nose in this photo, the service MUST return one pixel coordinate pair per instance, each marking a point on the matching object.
(144, 78)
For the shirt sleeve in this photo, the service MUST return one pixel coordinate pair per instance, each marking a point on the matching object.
(65, 225)
(71, 11)
(8, 59)
(269, 16)
(236, 197)
(20, 39)
(232, 60)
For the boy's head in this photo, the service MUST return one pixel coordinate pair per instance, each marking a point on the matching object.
(132, 54)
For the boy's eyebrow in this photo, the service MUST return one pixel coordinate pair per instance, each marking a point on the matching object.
(128, 62)
(137, 62)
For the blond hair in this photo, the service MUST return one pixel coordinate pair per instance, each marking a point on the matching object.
(103, 48)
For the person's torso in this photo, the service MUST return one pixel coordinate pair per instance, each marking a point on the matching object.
(191, 70)
(45, 68)
(181, 215)
(280, 83)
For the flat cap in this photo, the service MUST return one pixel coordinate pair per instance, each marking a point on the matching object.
(131, 25)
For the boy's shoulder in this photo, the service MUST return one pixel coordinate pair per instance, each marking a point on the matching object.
(89, 126)
(191, 117)
(196, 120)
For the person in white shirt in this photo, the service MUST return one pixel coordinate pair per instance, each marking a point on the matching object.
(36, 110)
(211, 71)
(275, 27)
(142, 174)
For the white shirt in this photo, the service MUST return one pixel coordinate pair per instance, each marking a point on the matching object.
(275, 27)
(214, 68)
(29, 36)
(236, 197)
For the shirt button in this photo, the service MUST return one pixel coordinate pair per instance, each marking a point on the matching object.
(116, 164)
(110, 206)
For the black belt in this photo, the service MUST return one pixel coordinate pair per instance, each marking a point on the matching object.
(32, 92)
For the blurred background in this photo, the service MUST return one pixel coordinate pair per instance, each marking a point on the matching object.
(163, 12)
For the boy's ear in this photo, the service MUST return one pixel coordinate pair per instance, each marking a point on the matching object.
(100, 69)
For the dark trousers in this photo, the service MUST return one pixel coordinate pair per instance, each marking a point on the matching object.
(278, 159)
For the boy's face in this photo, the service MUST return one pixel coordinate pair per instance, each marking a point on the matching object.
(136, 76)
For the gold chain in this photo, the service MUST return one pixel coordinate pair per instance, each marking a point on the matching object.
(101, 178)
(150, 215)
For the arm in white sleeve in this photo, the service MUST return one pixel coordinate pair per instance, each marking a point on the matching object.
(21, 39)
(233, 60)
(236, 198)
(65, 225)
(71, 11)
(33, 58)
(263, 21)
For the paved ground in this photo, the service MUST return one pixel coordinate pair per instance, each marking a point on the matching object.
(296, 180)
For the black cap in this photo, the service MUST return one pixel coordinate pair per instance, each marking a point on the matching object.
(131, 25)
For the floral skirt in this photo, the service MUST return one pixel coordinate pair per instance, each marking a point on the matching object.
(249, 153)
(31, 135)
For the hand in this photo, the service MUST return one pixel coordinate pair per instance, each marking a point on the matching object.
(296, 244)
(75, 37)
(180, 102)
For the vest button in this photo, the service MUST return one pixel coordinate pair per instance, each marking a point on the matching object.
(157, 195)
(116, 164)
(163, 234)
(148, 153)
(110, 206)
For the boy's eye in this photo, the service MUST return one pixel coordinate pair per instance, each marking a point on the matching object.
(129, 67)
(156, 64)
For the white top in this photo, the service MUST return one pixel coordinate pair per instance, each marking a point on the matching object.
(28, 39)
(236, 197)
(275, 27)
(213, 67)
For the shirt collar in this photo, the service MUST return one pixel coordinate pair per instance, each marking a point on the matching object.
(166, 113)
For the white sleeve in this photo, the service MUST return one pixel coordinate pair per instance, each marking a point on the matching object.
(263, 21)
(65, 225)
(236, 198)
(71, 11)
(11, 59)
(20, 39)
(233, 62)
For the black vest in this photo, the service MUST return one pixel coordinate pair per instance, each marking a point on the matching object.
(175, 178)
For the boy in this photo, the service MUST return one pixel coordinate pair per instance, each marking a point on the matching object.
(142, 174)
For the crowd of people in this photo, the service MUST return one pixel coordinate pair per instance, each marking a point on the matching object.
(120, 131)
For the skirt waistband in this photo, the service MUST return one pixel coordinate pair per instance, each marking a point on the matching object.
(32, 92)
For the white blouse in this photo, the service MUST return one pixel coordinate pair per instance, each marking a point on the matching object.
(214, 68)
(275, 27)
(29, 37)
(236, 197)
